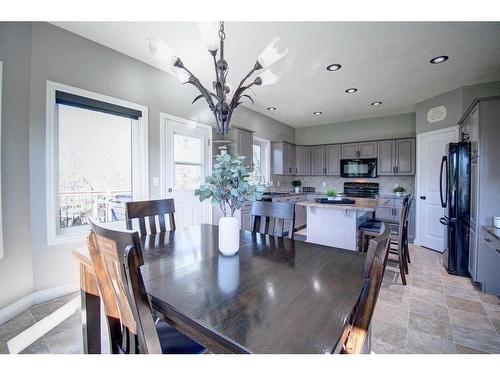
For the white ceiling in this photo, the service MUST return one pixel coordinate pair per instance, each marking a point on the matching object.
(386, 61)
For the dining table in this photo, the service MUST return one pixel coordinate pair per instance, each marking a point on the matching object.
(275, 295)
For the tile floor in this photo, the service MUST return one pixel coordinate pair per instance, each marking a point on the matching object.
(434, 313)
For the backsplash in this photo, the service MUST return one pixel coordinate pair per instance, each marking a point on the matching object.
(386, 183)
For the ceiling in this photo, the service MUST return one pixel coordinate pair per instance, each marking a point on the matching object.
(385, 61)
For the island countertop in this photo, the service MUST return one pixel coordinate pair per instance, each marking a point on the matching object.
(361, 204)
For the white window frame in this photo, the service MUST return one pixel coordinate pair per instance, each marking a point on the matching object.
(140, 159)
(1, 225)
(266, 145)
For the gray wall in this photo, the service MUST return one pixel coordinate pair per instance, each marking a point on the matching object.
(397, 126)
(452, 100)
(16, 272)
(60, 56)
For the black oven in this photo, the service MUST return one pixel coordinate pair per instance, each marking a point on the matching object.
(358, 168)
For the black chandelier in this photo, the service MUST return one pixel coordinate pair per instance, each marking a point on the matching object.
(218, 101)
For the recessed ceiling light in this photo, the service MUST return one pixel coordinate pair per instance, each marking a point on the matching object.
(317, 113)
(333, 67)
(351, 90)
(376, 103)
(271, 108)
(439, 59)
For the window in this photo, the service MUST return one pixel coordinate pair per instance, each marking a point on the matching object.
(97, 159)
(261, 161)
(188, 162)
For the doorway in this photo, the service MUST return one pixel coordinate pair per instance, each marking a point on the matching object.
(186, 161)
(431, 147)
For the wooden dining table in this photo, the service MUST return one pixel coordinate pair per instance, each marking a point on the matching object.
(275, 296)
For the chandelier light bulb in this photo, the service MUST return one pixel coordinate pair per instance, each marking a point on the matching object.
(268, 77)
(162, 50)
(271, 54)
(210, 34)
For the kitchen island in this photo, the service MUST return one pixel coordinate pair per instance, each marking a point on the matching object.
(337, 225)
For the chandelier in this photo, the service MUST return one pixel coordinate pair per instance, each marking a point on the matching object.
(219, 101)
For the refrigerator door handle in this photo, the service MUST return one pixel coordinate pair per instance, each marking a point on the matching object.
(444, 167)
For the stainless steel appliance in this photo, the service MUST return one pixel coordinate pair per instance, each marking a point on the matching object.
(358, 168)
(454, 190)
(361, 189)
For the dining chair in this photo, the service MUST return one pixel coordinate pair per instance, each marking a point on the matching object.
(117, 258)
(399, 237)
(356, 338)
(272, 217)
(150, 209)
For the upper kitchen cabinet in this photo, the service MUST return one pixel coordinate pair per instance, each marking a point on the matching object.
(318, 164)
(333, 159)
(362, 150)
(237, 141)
(245, 146)
(303, 160)
(405, 156)
(283, 158)
(396, 157)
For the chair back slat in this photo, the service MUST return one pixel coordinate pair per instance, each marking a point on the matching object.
(117, 257)
(273, 215)
(150, 209)
(375, 262)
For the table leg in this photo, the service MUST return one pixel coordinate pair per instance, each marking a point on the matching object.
(91, 311)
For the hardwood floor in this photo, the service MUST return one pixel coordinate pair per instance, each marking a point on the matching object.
(434, 313)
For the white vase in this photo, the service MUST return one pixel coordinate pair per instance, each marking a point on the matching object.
(229, 235)
(297, 189)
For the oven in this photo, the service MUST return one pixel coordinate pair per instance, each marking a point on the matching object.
(358, 168)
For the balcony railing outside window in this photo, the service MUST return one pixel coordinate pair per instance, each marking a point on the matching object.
(75, 208)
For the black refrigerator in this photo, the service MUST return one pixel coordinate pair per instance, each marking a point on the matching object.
(454, 186)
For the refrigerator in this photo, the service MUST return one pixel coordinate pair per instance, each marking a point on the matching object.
(454, 188)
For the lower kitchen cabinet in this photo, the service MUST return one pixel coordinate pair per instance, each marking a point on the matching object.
(246, 217)
(391, 211)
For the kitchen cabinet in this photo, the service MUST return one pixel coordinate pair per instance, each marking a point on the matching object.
(473, 252)
(237, 141)
(246, 217)
(386, 157)
(303, 160)
(362, 150)
(245, 146)
(318, 164)
(333, 160)
(396, 157)
(391, 211)
(283, 158)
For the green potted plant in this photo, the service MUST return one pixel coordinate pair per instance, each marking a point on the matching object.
(229, 188)
(331, 194)
(296, 185)
(399, 190)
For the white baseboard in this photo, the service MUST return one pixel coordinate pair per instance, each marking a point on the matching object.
(39, 296)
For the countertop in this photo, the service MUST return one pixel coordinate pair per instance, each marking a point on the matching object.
(492, 231)
(361, 204)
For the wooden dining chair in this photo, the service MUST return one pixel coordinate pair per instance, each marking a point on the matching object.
(272, 217)
(150, 210)
(116, 258)
(399, 238)
(356, 338)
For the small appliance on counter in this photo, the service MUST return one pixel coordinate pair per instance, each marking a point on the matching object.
(308, 189)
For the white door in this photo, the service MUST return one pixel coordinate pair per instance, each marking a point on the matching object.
(186, 164)
(431, 147)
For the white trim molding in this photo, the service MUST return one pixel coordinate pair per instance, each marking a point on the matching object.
(40, 296)
(140, 156)
(418, 174)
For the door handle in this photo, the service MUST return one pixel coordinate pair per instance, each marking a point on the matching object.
(169, 190)
(444, 167)
(423, 197)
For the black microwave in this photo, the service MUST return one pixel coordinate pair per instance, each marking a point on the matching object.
(358, 168)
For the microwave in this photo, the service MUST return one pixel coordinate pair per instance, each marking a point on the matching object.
(358, 168)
